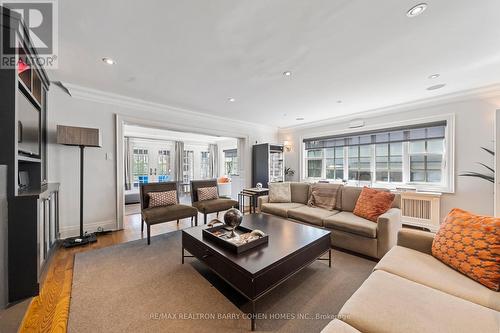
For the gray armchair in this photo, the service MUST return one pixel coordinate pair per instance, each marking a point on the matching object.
(155, 215)
(209, 206)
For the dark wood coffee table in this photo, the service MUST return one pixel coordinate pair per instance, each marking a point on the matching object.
(292, 246)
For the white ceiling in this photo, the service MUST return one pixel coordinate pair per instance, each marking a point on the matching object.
(195, 54)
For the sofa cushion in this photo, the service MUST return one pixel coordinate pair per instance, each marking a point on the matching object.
(168, 213)
(470, 244)
(300, 192)
(349, 196)
(388, 303)
(215, 205)
(311, 215)
(323, 195)
(347, 221)
(280, 192)
(427, 270)
(163, 198)
(372, 203)
(338, 326)
(279, 208)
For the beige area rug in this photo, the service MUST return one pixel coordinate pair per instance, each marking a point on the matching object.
(133, 287)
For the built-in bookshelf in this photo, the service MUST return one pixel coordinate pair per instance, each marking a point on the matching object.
(32, 202)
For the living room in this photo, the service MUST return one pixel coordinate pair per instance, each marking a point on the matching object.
(335, 157)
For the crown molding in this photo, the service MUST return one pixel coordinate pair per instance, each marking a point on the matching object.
(485, 93)
(99, 96)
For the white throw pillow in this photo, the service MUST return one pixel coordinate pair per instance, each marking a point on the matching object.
(280, 192)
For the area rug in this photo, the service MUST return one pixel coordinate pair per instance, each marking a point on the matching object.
(133, 287)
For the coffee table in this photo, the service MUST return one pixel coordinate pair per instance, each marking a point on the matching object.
(292, 246)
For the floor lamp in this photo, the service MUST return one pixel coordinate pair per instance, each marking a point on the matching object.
(81, 137)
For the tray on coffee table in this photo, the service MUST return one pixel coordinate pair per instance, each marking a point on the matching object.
(220, 235)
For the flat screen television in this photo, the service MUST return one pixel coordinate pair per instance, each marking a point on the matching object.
(28, 127)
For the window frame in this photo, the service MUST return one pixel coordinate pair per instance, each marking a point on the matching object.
(447, 184)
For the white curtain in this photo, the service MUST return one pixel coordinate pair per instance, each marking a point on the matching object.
(178, 160)
(128, 170)
(213, 160)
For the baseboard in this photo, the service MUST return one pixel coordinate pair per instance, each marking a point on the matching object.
(74, 230)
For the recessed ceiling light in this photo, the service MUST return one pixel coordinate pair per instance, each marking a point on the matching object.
(434, 76)
(416, 10)
(299, 118)
(109, 61)
(287, 73)
(339, 101)
(437, 86)
(231, 99)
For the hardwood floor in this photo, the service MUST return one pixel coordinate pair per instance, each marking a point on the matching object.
(49, 311)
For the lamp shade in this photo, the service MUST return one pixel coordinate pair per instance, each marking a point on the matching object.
(78, 136)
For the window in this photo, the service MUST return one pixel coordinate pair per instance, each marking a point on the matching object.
(140, 166)
(205, 165)
(231, 162)
(187, 166)
(426, 159)
(334, 159)
(414, 155)
(389, 162)
(164, 169)
(359, 158)
(314, 163)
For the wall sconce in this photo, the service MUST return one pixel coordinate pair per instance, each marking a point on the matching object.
(288, 146)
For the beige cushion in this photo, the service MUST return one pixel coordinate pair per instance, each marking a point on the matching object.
(300, 192)
(280, 192)
(427, 270)
(391, 304)
(279, 208)
(164, 198)
(207, 193)
(347, 221)
(338, 326)
(311, 215)
(323, 195)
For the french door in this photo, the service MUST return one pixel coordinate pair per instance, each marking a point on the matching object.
(151, 163)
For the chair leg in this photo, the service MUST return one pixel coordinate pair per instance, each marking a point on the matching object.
(142, 225)
(177, 221)
(205, 218)
(196, 220)
(191, 221)
(217, 214)
(149, 234)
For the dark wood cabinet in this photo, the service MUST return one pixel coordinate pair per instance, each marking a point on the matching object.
(33, 218)
(268, 164)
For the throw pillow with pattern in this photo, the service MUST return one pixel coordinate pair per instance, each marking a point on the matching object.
(166, 198)
(280, 192)
(207, 193)
(470, 244)
(372, 203)
(323, 195)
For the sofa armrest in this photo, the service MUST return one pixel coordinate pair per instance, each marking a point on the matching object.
(262, 200)
(416, 239)
(388, 225)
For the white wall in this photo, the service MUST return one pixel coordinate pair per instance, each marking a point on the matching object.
(3, 237)
(474, 128)
(92, 110)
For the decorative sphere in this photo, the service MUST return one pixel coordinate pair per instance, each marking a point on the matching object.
(233, 217)
(259, 185)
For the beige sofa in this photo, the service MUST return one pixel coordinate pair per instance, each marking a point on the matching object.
(411, 291)
(348, 231)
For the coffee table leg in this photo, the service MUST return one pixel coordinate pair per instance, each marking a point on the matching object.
(330, 258)
(253, 316)
(183, 255)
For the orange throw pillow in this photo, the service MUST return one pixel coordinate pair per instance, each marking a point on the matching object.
(470, 244)
(373, 203)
